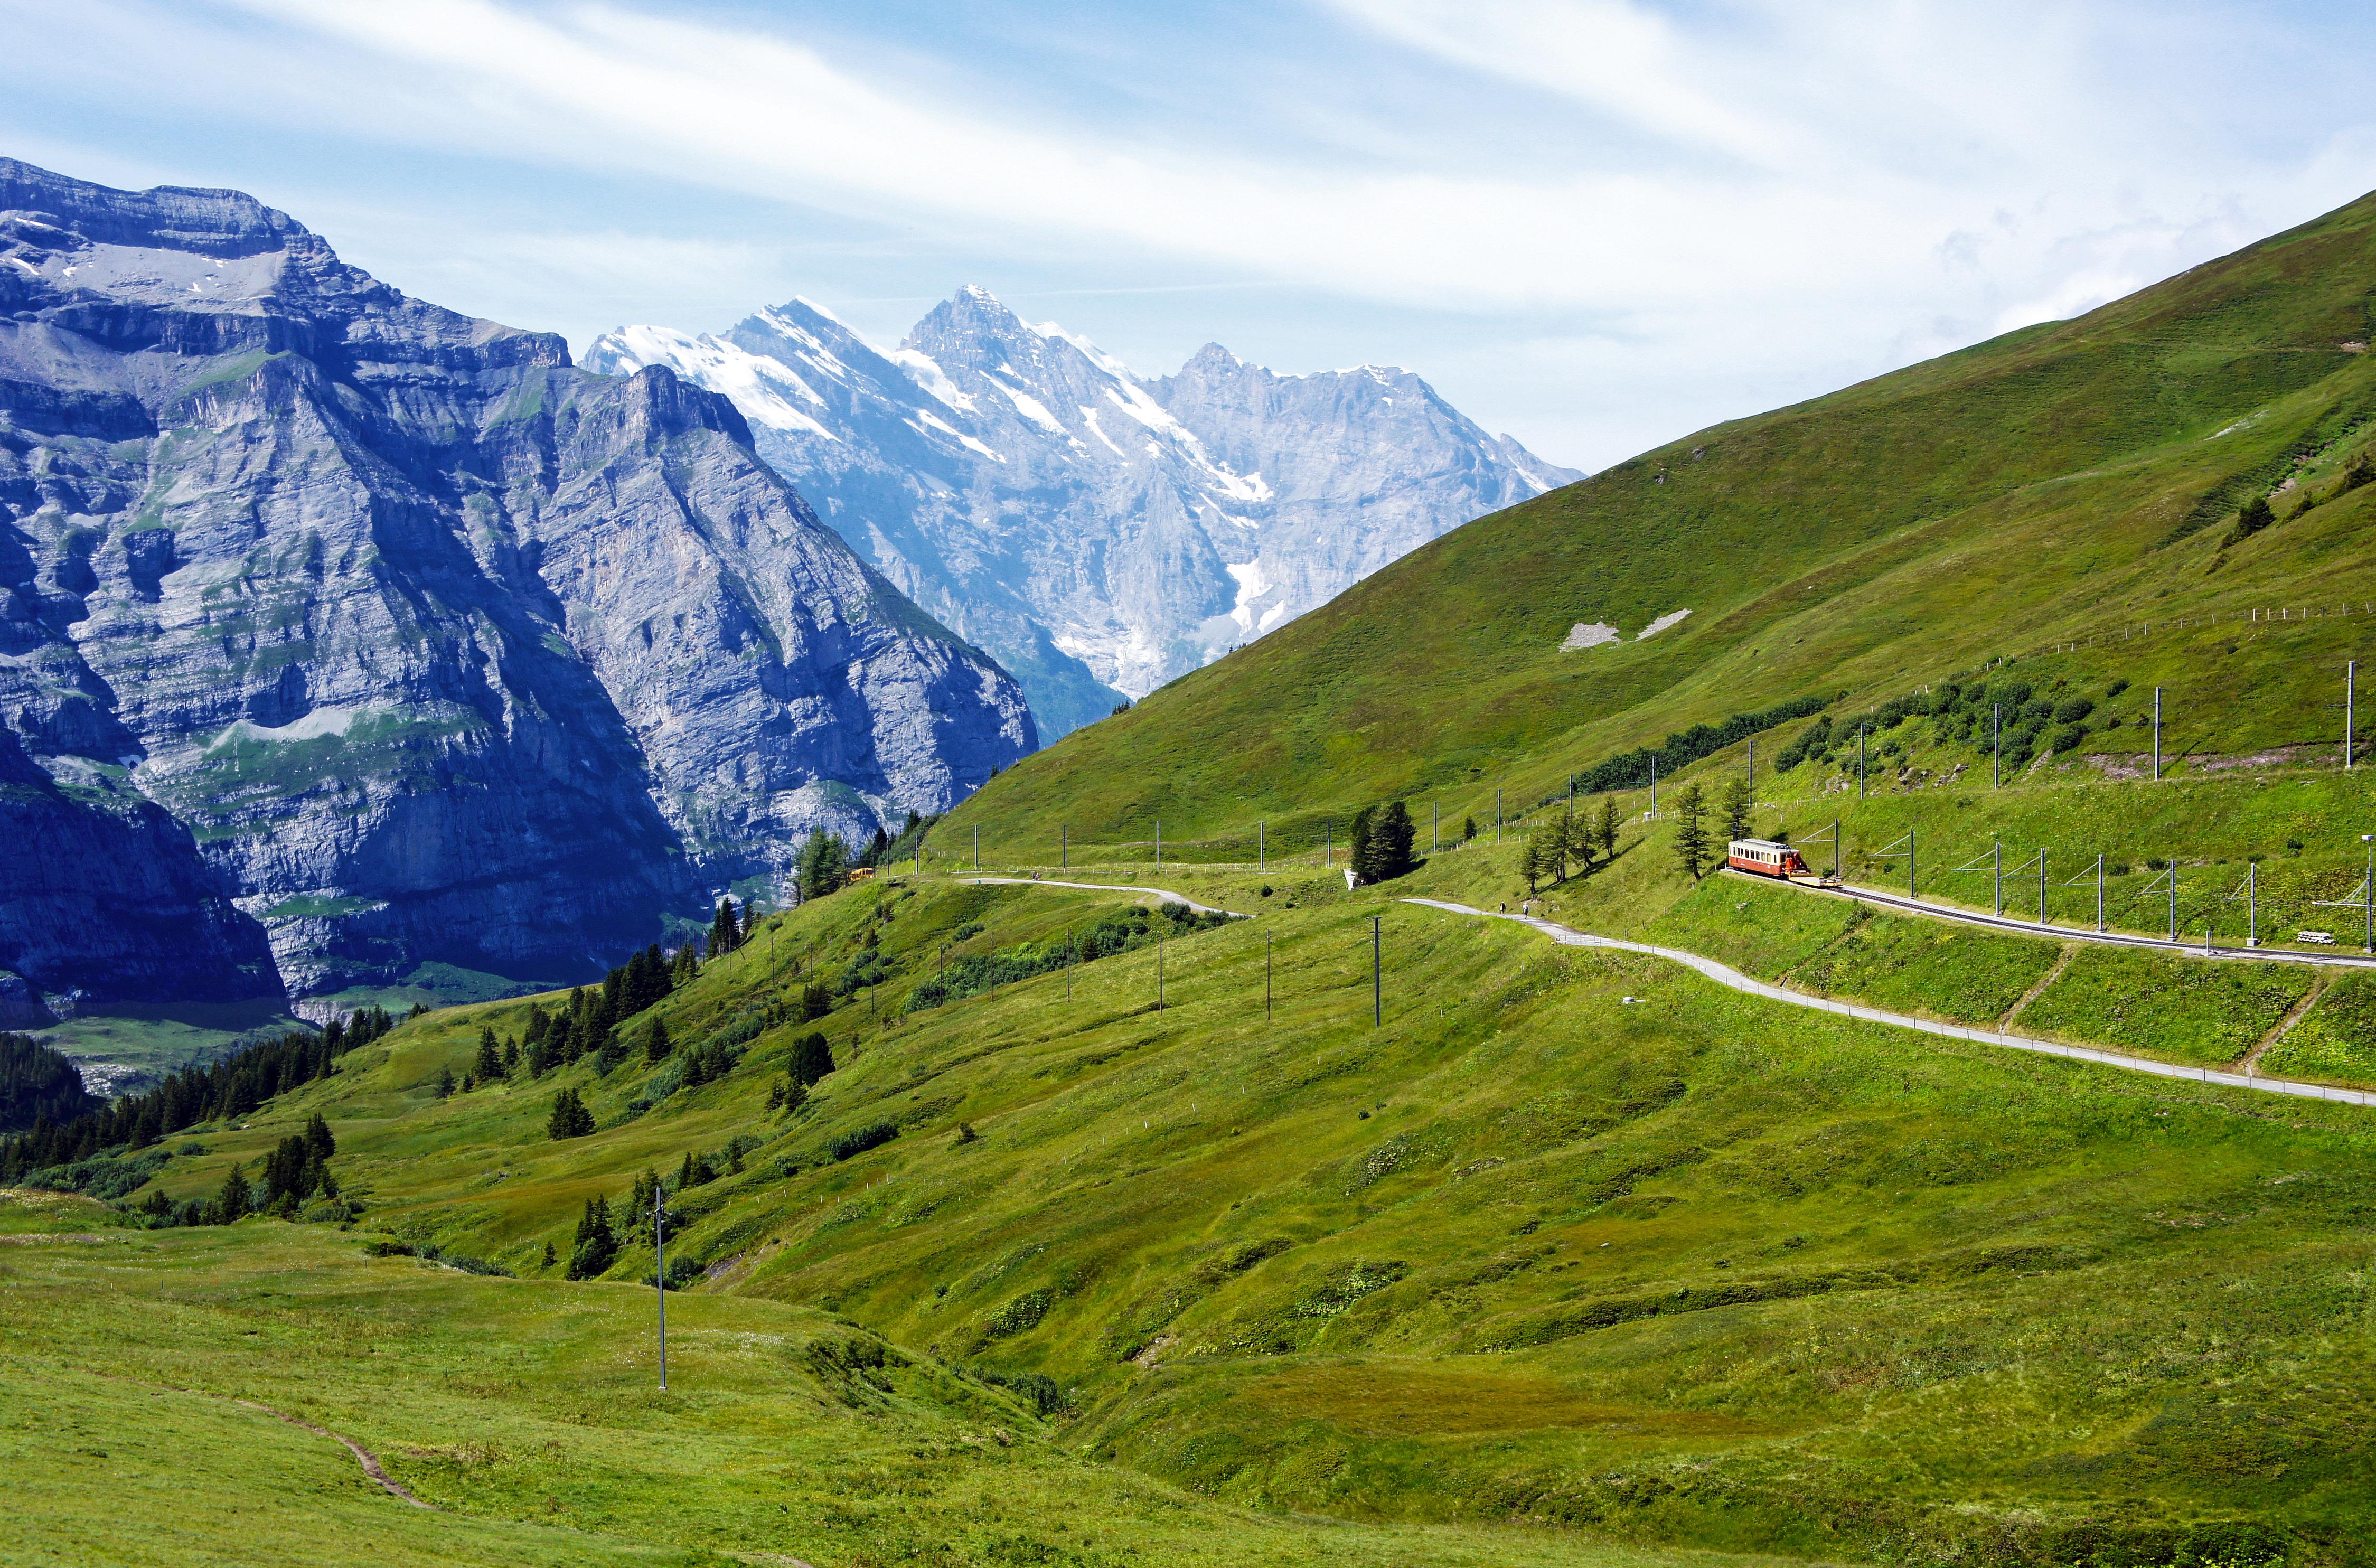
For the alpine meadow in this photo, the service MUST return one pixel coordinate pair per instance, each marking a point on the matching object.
(1808, 997)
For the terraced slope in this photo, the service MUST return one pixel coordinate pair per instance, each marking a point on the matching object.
(2060, 482)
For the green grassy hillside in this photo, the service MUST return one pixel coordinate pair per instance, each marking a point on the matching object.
(2067, 483)
(527, 1415)
(1686, 1269)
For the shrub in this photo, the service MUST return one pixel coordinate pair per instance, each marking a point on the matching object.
(850, 1144)
(2071, 710)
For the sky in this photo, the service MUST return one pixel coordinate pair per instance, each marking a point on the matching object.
(1594, 225)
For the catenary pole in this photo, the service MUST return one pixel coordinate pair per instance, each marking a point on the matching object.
(2099, 895)
(1999, 847)
(1497, 815)
(1063, 847)
(2158, 737)
(1860, 762)
(1267, 977)
(1159, 843)
(1377, 983)
(659, 1278)
(1996, 745)
(2041, 884)
(2350, 683)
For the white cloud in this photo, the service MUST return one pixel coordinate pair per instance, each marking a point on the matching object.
(1593, 222)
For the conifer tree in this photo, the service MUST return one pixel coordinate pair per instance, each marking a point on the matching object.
(686, 965)
(511, 1056)
(657, 1044)
(570, 1118)
(1392, 841)
(596, 1245)
(445, 1086)
(233, 1202)
(1692, 846)
(812, 1058)
(1358, 854)
(1605, 830)
(1467, 828)
(318, 1138)
(489, 1066)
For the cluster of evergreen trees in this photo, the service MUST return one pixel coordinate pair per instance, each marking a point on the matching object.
(728, 931)
(38, 1084)
(1697, 845)
(1571, 838)
(203, 1092)
(1632, 770)
(1382, 843)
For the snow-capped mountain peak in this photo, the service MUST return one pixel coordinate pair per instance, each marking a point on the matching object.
(1099, 531)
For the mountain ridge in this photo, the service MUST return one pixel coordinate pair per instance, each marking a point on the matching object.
(438, 646)
(1098, 531)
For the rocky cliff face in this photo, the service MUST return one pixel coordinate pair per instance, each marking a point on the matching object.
(1099, 534)
(436, 648)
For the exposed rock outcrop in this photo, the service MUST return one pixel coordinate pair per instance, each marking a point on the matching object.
(431, 647)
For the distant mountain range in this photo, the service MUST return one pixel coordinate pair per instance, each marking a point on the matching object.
(1099, 534)
(340, 634)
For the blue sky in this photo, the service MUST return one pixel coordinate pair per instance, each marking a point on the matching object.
(1597, 224)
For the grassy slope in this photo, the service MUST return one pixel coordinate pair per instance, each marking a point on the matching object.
(526, 1412)
(1691, 1269)
(2048, 484)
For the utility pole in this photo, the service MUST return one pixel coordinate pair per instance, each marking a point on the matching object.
(659, 1278)
(1377, 984)
(1063, 847)
(1159, 843)
(2369, 839)
(1267, 975)
(1571, 778)
(2350, 682)
(2173, 897)
(2099, 895)
(2253, 903)
(1996, 742)
(1835, 849)
(1999, 847)
(2158, 737)
(1910, 892)
(1860, 762)
(2041, 884)
(1497, 815)
(1752, 771)
(977, 848)
(1262, 850)
(1435, 827)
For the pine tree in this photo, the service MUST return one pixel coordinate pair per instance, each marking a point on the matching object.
(657, 1044)
(1690, 830)
(511, 1056)
(1739, 806)
(232, 1203)
(812, 1059)
(596, 1245)
(1467, 828)
(1605, 830)
(1392, 841)
(570, 1118)
(1359, 856)
(490, 1063)
(318, 1138)
(445, 1086)
(2253, 516)
(687, 964)
(549, 1256)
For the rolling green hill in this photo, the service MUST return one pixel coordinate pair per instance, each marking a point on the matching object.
(1572, 1240)
(2066, 482)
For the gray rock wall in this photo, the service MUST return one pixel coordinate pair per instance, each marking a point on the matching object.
(434, 647)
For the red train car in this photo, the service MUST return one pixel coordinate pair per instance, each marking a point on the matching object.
(1764, 857)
